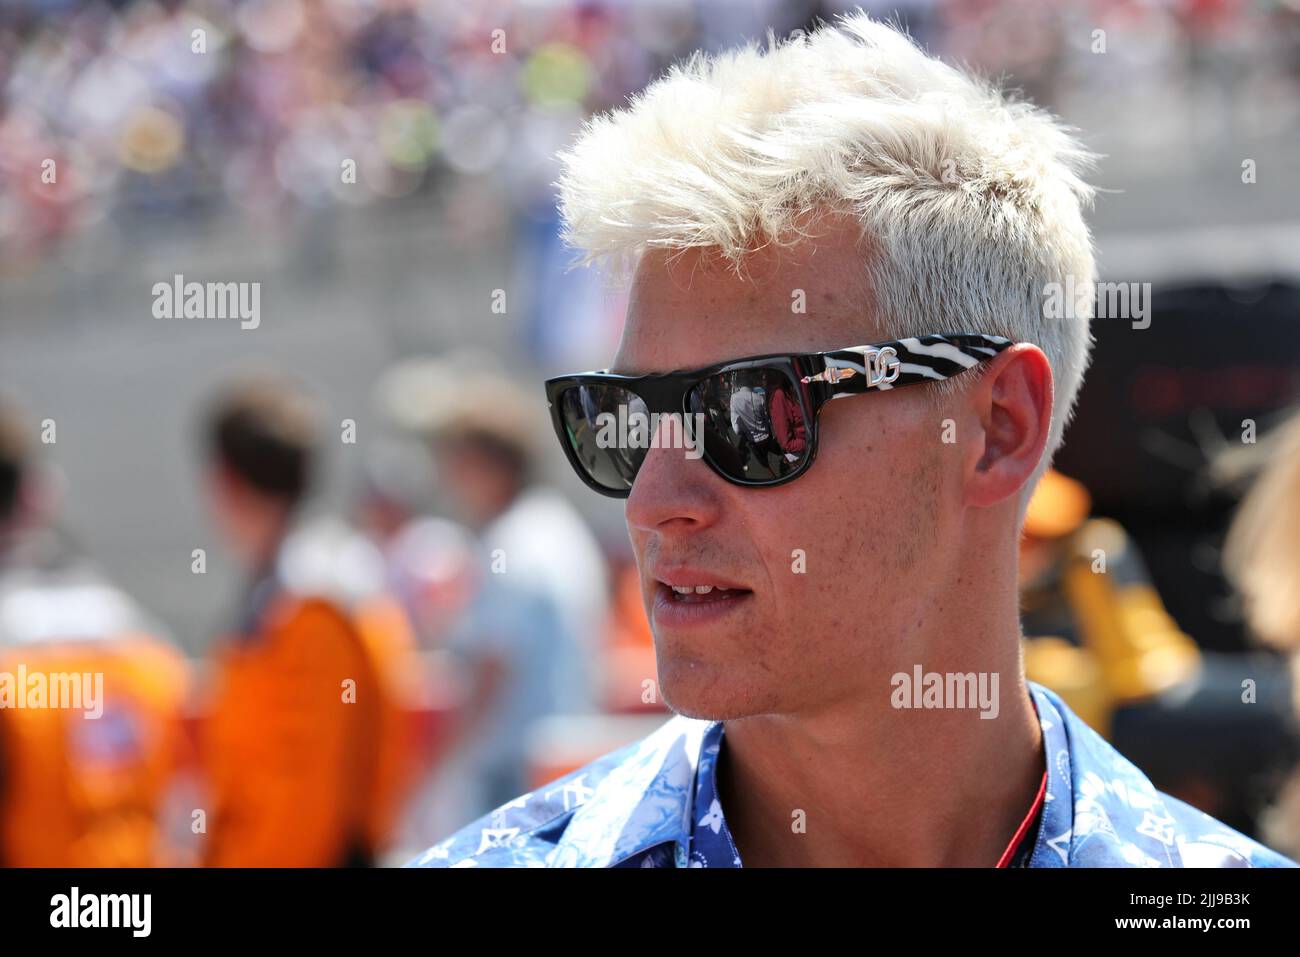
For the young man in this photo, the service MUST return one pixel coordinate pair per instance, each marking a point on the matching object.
(837, 628)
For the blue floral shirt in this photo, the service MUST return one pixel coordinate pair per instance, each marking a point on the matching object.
(654, 803)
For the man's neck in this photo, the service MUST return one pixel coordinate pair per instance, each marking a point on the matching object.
(875, 786)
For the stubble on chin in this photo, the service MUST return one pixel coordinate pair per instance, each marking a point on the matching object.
(710, 692)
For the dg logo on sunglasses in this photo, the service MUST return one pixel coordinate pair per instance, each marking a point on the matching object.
(880, 366)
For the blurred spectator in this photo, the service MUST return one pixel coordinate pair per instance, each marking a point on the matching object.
(85, 771)
(1262, 558)
(305, 748)
(1099, 634)
(532, 640)
(1262, 552)
(429, 561)
(1096, 629)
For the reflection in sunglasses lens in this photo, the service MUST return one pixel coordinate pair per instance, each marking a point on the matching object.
(592, 421)
(754, 423)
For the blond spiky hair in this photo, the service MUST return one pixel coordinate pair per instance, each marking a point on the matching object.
(972, 201)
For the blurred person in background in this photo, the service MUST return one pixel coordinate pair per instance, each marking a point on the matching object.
(1098, 634)
(305, 749)
(531, 641)
(429, 565)
(1261, 557)
(428, 559)
(1096, 630)
(87, 785)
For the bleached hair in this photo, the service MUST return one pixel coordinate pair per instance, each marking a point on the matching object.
(971, 200)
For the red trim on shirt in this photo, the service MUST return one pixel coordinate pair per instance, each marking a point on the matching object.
(1025, 825)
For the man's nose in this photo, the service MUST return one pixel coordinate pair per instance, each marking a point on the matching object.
(671, 485)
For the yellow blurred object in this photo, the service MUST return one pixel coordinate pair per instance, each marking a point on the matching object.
(557, 74)
(408, 134)
(152, 141)
(1071, 672)
(1127, 648)
(1140, 649)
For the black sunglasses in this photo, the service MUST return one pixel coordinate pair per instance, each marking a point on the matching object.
(754, 420)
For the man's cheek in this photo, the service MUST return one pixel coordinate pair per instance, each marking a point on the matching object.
(824, 565)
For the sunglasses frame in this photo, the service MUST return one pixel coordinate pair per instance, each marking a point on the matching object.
(818, 377)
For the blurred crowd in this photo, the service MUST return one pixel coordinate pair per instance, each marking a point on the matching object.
(382, 677)
(119, 110)
(193, 108)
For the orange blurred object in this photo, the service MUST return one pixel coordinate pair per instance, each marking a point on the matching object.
(630, 652)
(83, 790)
(289, 744)
(400, 743)
(1058, 506)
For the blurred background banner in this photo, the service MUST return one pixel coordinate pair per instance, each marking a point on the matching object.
(375, 178)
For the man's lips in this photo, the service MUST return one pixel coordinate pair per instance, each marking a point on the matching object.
(686, 595)
(682, 576)
(700, 595)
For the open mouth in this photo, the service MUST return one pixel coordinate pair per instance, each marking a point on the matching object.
(703, 594)
(700, 606)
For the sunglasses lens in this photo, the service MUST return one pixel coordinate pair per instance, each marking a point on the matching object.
(591, 419)
(754, 424)
(753, 419)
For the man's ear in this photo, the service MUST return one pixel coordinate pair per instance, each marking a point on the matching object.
(1013, 408)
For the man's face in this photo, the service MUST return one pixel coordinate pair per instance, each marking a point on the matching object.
(844, 563)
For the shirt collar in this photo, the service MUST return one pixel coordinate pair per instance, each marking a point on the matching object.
(650, 797)
(711, 842)
(1052, 845)
(1096, 797)
(713, 846)
(646, 800)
